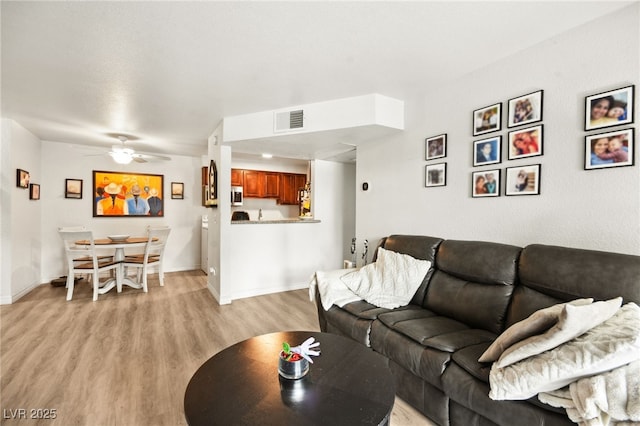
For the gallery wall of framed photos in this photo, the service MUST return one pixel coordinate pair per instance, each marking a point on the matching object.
(609, 142)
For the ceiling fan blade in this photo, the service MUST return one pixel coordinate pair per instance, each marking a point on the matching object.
(138, 159)
(151, 157)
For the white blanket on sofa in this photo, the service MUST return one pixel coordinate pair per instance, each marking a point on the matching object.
(389, 282)
(611, 398)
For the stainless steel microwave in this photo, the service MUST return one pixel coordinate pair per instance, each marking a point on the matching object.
(236, 195)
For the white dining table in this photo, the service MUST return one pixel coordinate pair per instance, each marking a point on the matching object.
(119, 254)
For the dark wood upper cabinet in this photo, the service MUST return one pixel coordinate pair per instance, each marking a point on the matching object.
(263, 184)
(237, 177)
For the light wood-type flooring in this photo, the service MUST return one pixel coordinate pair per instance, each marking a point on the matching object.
(126, 359)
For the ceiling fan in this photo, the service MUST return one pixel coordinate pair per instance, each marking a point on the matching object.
(124, 155)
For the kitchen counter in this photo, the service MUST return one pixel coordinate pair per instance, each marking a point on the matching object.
(269, 222)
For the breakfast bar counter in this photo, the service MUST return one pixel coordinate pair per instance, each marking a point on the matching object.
(275, 221)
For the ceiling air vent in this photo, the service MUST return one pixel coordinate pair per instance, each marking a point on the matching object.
(289, 120)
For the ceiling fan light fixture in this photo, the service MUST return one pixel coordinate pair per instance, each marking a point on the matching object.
(122, 156)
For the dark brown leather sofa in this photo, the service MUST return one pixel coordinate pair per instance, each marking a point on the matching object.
(474, 291)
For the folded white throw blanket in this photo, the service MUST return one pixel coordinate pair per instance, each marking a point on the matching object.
(389, 282)
(611, 398)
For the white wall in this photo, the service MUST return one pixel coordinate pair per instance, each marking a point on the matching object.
(596, 209)
(21, 217)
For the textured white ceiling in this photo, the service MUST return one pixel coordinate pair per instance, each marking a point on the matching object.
(167, 73)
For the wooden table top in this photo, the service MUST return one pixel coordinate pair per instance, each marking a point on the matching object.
(348, 384)
(107, 241)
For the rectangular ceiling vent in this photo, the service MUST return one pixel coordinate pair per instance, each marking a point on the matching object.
(288, 120)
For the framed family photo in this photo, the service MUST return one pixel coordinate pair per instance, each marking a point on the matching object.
(525, 143)
(611, 149)
(487, 151)
(487, 119)
(436, 175)
(525, 109)
(523, 180)
(435, 147)
(485, 183)
(73, 188)
(608, 109)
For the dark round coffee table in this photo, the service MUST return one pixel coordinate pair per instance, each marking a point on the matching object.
(347, 384)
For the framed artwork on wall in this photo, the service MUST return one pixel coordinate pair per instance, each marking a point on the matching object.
(487, 151)
(435, 175)
(435, 147)
(606, 109)
(119, 194)
(22, 178)
(177, 190)
(525, 142)
(611, 149)
(34, 191)
(73, 188)
(485, 183)
(523, 180)
(525, 109)
(487, 119)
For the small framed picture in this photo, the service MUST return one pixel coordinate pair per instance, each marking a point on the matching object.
(22, 178)
(608, 109)
(177, 190)
(485, 183)
(523, 180)
(611, 149)
(487, 151)
(73, 188)
(525, 109)
(34, 191)
(435, 147)
(525, 143)
(487, 119)
(436, 175)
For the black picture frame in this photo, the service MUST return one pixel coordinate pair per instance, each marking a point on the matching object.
(526, 142)
(73, 188)
(22, 178)
(525, 109)
(435, 147)
(487, 151)
(486, 183)
(435, 175)
(487, 119)
(34, 191)
(610, 157)
(596, 116)
(523, 180)
(177, 190)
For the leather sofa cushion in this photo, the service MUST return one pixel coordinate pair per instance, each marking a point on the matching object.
(364, 310)
(426, 363)
(473, 274)
(452, 342)
(467, 359)
(569, 273)
(420, 326)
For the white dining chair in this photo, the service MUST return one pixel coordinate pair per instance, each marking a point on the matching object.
(152, 257)
(75, 252)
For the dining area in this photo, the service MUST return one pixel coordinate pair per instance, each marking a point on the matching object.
(113, 261)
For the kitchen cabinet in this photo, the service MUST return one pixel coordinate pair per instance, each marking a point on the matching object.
(264, 184)
(290, 184)
(237, 176)
(260, 184)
